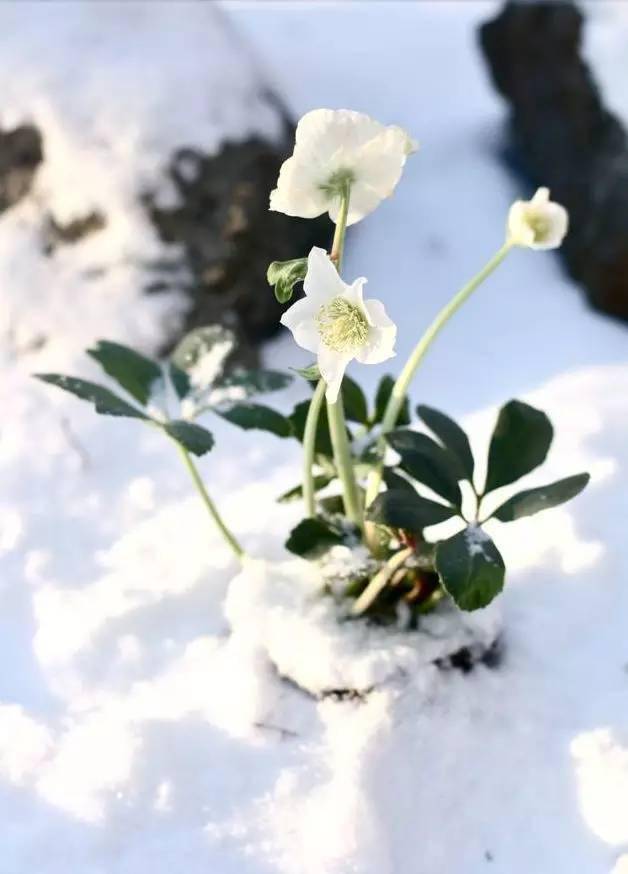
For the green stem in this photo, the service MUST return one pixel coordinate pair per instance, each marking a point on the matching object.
(380, 581)
(309, 444)
(342, 454)
(344, 462)
(400, 388)
(209, 504)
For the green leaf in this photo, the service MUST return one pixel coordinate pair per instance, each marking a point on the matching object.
(542, 498)
(255, 417)
(297, 492)
(451, 436)
(382, 395)
(395, 481)
(312, 535)
(322, 444)
(427, 462)
(399, 508)
(180, 381)
(284, 275)
(254, 382)
(520, 442)
(354, 401)
(212, 342)
(470, 568)
(105, 402)
(134, 372)
(194, 438)
(311, 373)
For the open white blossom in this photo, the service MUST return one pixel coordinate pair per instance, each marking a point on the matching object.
(538, 223)
(334, 321)
(336, 148)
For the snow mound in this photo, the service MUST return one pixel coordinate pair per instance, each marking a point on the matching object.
(281, 606)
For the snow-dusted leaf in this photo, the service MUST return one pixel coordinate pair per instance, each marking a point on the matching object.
(451, 436)
(532, 501)
(354, 401)
(104, 401)
(180, 380)
(382, 396)
(312, 535)
(470, 568)
(427, 462)
(194, 438)
(293, 494)
(203, 353)
(520, 442)
(284, 275)
(256, 417)
(398, 508)
(135, 373)
(249, 383)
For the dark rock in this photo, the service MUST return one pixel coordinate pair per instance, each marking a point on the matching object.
(21, 152)
(562, 136)
(56, 233)
(229, 235)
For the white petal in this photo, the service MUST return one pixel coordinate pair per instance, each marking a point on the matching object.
(380, 345)
(558, 219)
(297, 193)
(332, 366)
(355, 294)
(363, 200)
(322, 281)
(541, 197)
(301, 320)
(519, 230)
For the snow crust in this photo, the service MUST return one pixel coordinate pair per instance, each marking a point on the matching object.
(304, 633)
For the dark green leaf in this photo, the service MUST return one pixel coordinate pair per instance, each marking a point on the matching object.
(297, 492)
(322, 445)
(194, 438)
(312, 535)
(542, 498)
(284, 275)
(427, 462)
(133, 372)
(382, 396)
(451, 436)
(311, 373)
(395, 481)
(254, 382)
(180, 380)
(256, 416)
(212, 340)
(520, 442)
(105, 402)
(470, 568)
(399, 508)
(354, 402)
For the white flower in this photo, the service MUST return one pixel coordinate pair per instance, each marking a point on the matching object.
(334, 148)
(333, 321)
(538, 223)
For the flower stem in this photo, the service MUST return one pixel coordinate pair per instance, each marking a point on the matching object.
(309, 444)
(400, 387)
(344, 462)
(338, 243)
(209, 504)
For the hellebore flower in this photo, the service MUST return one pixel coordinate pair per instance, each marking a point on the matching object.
(334, 150)
(538, 223)
(334, 321)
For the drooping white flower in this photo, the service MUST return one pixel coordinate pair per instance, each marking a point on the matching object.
(336, 147)
(538, 223)
(335, 323)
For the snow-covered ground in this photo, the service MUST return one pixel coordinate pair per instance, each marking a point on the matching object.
(136, 734)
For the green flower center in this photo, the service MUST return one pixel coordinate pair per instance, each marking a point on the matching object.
(540, 226)
(342, 325)
(338, 183)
